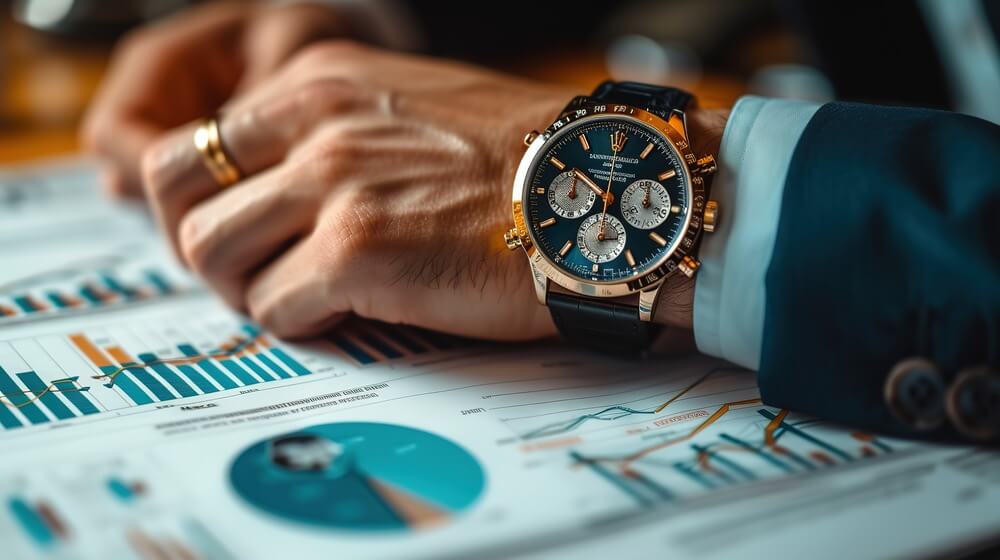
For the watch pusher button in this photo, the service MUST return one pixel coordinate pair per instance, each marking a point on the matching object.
(512, 239)
(711, 215)
(705, 165)
(688, 265)
(530, 137)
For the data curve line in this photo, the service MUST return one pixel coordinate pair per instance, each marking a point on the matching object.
(34, 397)
(563, 427)
(184, 360)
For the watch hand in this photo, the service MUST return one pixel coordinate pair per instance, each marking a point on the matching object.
(607, 198)
(589, 182)
(645, 198)
(572, 189)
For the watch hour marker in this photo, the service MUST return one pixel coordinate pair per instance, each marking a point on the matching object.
(540, 190)
(595, 268)
(547, 223)
(675, 209)
(565, 248)
(658, 239)
(668, 174)
(584, 142)
(646, 151)
(555, 161)
(629, 258)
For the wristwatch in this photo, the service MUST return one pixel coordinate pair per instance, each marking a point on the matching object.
(609, 201)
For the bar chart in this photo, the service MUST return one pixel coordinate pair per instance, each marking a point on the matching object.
(366, 342)
(736, 443)
(109, 510)
(48, 379)
(123, 277)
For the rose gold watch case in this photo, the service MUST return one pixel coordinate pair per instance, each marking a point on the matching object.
(674, 130)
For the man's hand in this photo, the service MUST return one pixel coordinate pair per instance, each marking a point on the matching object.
(376, 183)
(185, 67)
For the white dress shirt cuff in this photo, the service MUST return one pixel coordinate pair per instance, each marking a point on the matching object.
(729, 300)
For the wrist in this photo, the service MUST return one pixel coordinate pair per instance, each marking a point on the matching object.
(675, 307)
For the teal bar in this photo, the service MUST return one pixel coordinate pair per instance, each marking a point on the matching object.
(239, 372)
(694, 475)
(722, 460)
(151, 383)
(809, 437)
(615, 480)
(32, 523)
(76, 396)
(121, 490)
(7, 418)
(123, 381)
(158, 281)
(263, 375)
(88, 294)
(291, 362)
(273, 366)
(23, 403)
(56, 300)
(167, 374)
(25, 304)
(45, 396)
(758, 451)
(117, 287)
(198, 379)
(208, 367)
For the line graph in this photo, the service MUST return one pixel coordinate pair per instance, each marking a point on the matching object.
(642, 396)
(728, 448)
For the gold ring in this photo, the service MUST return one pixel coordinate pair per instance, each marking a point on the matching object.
(208, 142)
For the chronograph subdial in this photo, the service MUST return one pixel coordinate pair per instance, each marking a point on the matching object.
(597, 248)
(645, 204)
(569, 197)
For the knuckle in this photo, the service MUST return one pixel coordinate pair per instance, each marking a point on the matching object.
(193, 240)
(341, 53)
(326, 95)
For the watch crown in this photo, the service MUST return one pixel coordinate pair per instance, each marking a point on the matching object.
(711, 215)
(688, 265)
(530, 137)
(512, 239)
(705, 165)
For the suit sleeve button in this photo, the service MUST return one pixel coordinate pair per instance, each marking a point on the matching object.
(914, 392)
(973, 403)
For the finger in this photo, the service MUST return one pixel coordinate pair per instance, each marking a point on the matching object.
(296, 296)
(154, 83)
(256, 134)
(280, 31)
(227, 236)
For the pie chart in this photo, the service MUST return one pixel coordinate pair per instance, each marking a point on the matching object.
(359, 476)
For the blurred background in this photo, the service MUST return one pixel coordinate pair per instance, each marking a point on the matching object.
(934, 53)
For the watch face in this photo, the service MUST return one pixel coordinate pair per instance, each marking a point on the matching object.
(607, 199)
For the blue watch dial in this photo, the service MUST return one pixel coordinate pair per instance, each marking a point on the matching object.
(607, 198)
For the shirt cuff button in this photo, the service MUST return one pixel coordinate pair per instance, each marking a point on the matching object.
(914, 392)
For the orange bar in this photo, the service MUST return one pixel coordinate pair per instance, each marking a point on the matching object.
(71, 301)
(87, 347)
(4, 310)
(263, 342)
(101, 294)
(120, 355)
(251, 348)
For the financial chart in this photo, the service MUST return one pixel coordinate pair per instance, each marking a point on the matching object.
(140, 418)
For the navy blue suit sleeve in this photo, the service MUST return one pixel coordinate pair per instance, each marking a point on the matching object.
(888, 247)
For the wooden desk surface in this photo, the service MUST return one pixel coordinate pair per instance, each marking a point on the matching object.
(46, 83)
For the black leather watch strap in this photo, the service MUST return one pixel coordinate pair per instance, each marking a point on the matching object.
(604, 325)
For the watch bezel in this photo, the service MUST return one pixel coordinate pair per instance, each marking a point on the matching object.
(682, 245)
